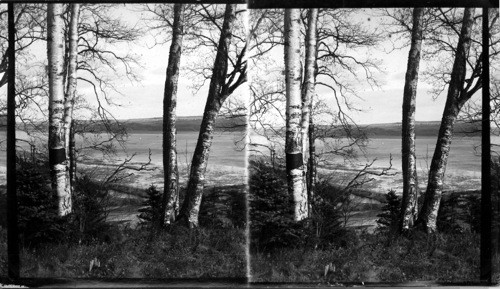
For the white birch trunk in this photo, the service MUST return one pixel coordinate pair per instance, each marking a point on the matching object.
(188, 215)
(57, 152)
(409, 208)
(69, 100)
(308, 91)
(170, 205)
(454, 103)
(293, 142)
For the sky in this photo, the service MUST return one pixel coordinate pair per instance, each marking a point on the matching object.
(378, 105)
(144, 99)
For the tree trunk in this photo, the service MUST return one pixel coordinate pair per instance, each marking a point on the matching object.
(308, 90)
(72, 155)
(216, 96)
(69, 98)
(456, 98)
(312, 166)
(170, 202)
(409, 207)
(57, 151)
(293, 142)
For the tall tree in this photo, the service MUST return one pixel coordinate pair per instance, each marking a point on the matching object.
(409, 209)
(312, 165)
(308, 89)
(170, 202)
(4, 62)
(293, 139)
(57, 152)
(456, 98)
(222, 85)
(70, 93)
(336, 68)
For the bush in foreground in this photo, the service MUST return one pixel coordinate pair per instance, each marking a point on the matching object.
(388, 221)
(37, 205)
(271, 213)
(150, 213)
(37, 208)
(221, 207)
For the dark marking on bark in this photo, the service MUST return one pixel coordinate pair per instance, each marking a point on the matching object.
(294, 161)
(57, 156)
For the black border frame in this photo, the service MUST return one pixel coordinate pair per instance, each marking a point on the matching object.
(486, 212)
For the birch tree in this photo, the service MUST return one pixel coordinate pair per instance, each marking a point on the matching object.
(456, 98)
(170, 202)
(70, 93)
(3, 45)
(308, 89)
(409, 207)
(222, 85)
(57, 152)
(293, 139)
(335, 67)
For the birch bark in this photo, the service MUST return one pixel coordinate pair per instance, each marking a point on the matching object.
(56, 141)
(308, 90)
(455, 100)
(69, 98)
(217, 94)
(170, 202)
(293, 140)
(409, 207)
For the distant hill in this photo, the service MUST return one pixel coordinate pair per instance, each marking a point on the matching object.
(393, 130)
(422, 128)
(155, 124)
(183, 123)
(192, 123)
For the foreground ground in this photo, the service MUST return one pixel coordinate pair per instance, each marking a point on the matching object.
(204, 253)
(374, 258)
(128, 249)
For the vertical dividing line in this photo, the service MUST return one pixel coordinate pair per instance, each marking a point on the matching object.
(486, 252)
(12, 229)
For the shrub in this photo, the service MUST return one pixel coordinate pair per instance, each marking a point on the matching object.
(223, 206)
(90, 203)
(388, 221)
(37, 205)
(151, 212)
(471, 213)
(458, 213)
(328, 211)
(271, 213)
(37, 211)
(271, 208)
